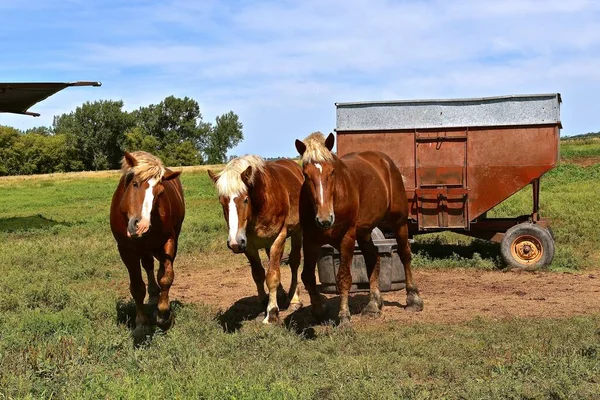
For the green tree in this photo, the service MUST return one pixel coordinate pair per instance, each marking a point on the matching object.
(9, 158)
(172, 129)
(226, 134)
(95, 133)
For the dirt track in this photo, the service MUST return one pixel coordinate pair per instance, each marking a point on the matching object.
(449, 295)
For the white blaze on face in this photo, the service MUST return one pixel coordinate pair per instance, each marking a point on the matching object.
(320, 168)
(148, 201)
(233, 221)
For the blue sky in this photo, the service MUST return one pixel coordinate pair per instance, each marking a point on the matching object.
(282, 64)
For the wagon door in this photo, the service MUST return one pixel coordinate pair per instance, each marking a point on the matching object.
(441, 179)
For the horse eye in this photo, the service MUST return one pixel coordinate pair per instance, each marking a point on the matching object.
(246, 200)
(333, 173)
(135, 184)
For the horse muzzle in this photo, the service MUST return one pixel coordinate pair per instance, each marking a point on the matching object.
(238, 246)
(325, 223)
(137, 227)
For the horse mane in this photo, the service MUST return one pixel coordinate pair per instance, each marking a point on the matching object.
(229, 182)
(315, 149)
(148, 166)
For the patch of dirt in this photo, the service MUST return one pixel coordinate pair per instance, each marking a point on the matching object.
(583, 161)
(449, 296)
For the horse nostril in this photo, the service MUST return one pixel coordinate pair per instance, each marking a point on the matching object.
(242, 242)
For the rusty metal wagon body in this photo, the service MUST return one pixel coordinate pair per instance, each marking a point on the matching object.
(463, 157)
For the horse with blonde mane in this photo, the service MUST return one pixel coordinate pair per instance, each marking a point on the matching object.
(260, 206)
(146, 215)
(342, 201)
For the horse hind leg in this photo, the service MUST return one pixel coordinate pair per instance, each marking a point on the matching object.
(294, 293)
(372, 262)
(153, 288)
(273, 277)
(413, 301)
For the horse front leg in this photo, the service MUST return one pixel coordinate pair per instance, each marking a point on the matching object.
(274, 276)
(344, 277)
(311, 254)
(258, 272)
(137, 287)
(164, 317)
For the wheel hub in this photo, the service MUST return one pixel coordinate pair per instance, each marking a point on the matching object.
(527, 249)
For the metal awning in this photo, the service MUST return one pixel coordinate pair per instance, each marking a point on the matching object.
(17, 98)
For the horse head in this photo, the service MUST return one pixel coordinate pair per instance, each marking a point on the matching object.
(234, 185)
(318, 166)
(143, 186)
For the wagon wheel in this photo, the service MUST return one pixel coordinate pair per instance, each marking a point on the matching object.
(527, 246)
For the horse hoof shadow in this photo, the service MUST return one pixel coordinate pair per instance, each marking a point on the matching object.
(126, 313)
(245, 309)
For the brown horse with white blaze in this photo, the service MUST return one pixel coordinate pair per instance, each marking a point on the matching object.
(342, 201)
(260, 206)
(146, 215)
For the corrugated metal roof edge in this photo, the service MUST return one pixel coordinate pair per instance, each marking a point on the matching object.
(458, 100)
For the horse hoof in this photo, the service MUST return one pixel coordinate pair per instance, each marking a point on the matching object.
(165, 323)
(272, 317)
(414, 303)
(141, 334)
(371, 310)
(345, 325)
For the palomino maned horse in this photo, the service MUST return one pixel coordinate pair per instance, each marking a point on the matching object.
(342, 200)
(146, 215)
(260, 205)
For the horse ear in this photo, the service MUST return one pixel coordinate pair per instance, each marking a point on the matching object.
(129, 159)
(246, 176)
(213, 176)
(301, 147)
(171, 175)
(330, 141)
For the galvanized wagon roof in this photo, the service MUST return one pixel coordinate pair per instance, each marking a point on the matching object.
(17, 98)
(530, 109)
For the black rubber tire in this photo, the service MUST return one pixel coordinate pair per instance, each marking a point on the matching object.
(544, 240)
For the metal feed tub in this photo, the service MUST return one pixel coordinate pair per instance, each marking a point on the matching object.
(391, 275)
(463, 157)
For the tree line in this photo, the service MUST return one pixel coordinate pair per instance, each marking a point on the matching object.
(94, 136)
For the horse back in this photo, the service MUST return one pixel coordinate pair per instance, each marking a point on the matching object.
(380, 185)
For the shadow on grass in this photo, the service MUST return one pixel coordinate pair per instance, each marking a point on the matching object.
(126, 313)
(32, 222)
(302, 321)
(437, 249)
(245, 309)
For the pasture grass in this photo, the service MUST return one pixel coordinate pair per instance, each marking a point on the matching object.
(65, 305)
(579, 148)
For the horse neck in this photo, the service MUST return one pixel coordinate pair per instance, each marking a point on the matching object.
(259, 192)
(344, 180)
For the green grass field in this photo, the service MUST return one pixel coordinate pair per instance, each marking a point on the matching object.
(64, 297)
